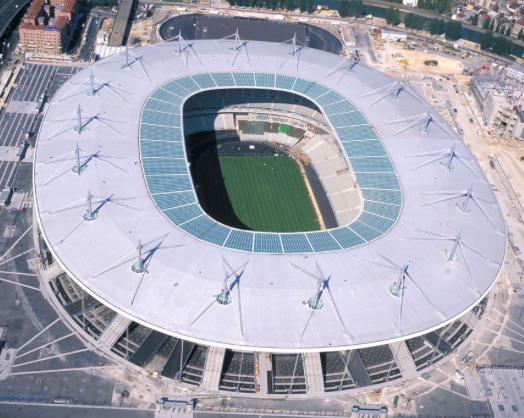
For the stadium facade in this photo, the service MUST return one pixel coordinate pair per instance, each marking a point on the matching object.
(393, 288)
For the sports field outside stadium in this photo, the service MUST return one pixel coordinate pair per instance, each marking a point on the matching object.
(260, 193)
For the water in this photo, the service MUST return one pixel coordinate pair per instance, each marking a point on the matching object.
(468, 32)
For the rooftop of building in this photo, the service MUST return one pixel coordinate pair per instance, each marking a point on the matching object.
(35, 10)
(517, 67)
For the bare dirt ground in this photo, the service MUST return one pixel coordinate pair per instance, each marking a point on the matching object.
(141, 29)
(393, 51)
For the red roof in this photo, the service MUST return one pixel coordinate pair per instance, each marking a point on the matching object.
(34, 9)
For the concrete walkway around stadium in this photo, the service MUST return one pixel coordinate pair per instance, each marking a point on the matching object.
(500, 339)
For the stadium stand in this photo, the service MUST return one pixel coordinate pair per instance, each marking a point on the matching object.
(288, 373)
(335, 371)
(238, 372)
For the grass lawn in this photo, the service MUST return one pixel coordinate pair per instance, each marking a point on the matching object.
(257, 193)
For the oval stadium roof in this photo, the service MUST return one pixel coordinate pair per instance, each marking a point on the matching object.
(426, 247)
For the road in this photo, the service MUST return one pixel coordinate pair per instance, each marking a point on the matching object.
(8, 11)
(363, 43)
(217, 27)
(11, 410)
(90, 39)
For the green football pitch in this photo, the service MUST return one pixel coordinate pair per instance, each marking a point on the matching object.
(256, 193)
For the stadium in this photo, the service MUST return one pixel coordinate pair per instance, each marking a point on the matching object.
(262, 218)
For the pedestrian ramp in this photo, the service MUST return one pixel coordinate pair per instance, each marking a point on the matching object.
(213, 368)
(404, 359)
(313, 371)
(113, 332)
(53, 271)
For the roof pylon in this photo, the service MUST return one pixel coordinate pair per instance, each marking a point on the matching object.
(239, 46)
(293, 52)
(398, 88)
(428, 119)
(391, 90)
(315, 302)
(238, 42)
(90, 215)
(127, 64)
(345, 66)
(463, 207)
(452, 153)
(92, 92)
(451, 255)
(224, 297)
(397, 288)
(139, 266)
(78, 168)
(185, 49)
(181, 42)
(79, 127)
(294, 49)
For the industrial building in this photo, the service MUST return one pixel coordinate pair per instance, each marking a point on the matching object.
(516, 72)
(399, 283)
(393, 35)
(500, 103)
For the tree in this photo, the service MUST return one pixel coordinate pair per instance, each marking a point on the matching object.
(289, 4)
(310, 5)
(453, 30)
(492, 25)
(497, 28)
(486, 23)
(475, 20)
(508, 31)
(520, 36)
(408, 21)
(440, 6)
(436, 26)
(486, 40)
(421, 22)
(393, 16)
(502, 45)
(356, 7)
(302, 5)
(343, 8)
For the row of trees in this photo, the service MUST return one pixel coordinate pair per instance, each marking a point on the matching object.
(302, 5)
(489, 24)
(439, 6)
(500, 45)
(452, 30)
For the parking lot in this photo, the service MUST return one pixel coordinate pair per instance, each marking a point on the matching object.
(20, 121)
(39, 342)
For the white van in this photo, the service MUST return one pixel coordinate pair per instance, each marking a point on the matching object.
(459, 376)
